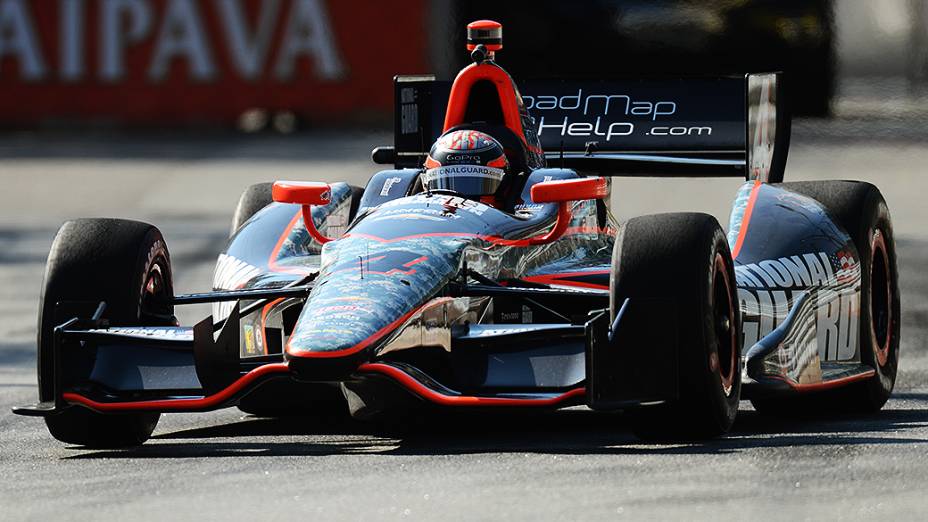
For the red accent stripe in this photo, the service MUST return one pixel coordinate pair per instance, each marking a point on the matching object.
(746, 220)
(216, 400)
(827, 385)
(264, 312)
(430, 395)
(562, 278)
(272, 259)
(500, 162)
(415, 261)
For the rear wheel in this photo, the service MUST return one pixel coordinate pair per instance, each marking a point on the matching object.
(127, 265)
(860, 209)
(253, 199)
(684, 258)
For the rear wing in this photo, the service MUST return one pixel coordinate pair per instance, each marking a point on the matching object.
(728, 126)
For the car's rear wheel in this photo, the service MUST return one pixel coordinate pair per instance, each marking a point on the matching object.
(684, 258)
(860, 209)
(127, 265)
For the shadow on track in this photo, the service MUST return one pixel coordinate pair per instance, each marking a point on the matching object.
(571, 432)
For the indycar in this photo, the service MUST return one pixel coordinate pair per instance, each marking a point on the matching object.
(395, 298)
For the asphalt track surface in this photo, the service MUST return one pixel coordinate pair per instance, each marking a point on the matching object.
(562, 465)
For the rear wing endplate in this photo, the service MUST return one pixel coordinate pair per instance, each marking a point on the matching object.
(727, 126)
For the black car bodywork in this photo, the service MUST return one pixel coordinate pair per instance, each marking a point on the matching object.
(449, 301)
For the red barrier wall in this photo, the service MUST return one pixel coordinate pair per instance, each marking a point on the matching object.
(167, 62)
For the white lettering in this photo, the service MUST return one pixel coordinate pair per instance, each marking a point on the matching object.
(750, 310)
(579, 129)
(116, 34)
(72, 39)
(625, 129)
(816, 271)
(577, 97)
(18, 39)
(671, 108)
(849, 332)
(608, 101)
(829, 311)
(542, 126)
(248, 51)
(308, 34)
(182, 35)
(828, 267)
(546, 102)
(797, 270)
(776, 271)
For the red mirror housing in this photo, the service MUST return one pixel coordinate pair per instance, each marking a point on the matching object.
(302, 192)
(564, 190)
(307, 194)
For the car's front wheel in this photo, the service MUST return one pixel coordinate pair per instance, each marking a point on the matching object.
(126, 265)
(684, 258)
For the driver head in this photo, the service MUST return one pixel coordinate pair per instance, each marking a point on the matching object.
(471, 163)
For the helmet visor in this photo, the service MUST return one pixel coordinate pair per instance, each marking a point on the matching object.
(467, 180)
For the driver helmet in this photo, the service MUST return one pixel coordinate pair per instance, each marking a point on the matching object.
(469, 162)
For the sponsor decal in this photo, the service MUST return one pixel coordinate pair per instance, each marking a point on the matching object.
(231, 274)
(160, 332)
(453, 203)
(787, 272)
(457, 171)
(768, 290)
(183, 60)
(605, 108)
(392, 262)
(466, 140)
(408, 213)
(259, 339)
(388, 184)
(248, 332)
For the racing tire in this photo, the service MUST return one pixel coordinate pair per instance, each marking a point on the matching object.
(127, 265)
(253, 199)
(258, 196)
(685, 259)
(859, 208)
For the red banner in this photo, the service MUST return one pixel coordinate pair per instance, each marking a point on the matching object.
(191, 61)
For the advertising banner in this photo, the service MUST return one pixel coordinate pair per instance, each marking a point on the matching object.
(168, 62)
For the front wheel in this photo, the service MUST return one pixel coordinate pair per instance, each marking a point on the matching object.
(127, 265)
(684, 258)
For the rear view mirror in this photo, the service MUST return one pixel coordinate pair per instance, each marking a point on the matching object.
(302, 192)
(307, 194)
(564, 190)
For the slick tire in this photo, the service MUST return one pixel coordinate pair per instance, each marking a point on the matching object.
(860, 209)
(253, 199)
(127, 265)
(258, 196)
(684, 257)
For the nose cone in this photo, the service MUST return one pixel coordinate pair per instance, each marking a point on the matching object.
(367, 288)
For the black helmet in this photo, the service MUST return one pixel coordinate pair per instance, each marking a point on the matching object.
(469, 162)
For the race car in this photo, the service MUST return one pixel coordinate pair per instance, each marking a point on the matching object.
(486, 271)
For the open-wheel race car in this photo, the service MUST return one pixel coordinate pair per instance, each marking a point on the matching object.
(485, 270)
